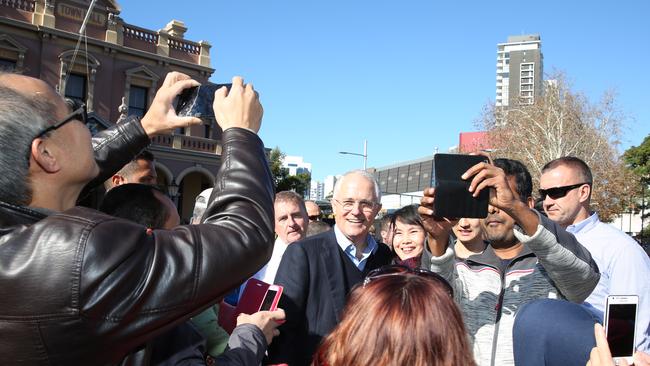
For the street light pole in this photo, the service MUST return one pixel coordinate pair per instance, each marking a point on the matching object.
(364, 155)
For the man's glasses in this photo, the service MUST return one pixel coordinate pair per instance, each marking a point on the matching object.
(314, 218)
(78, 114)
(558, 192)
(348, 205)
(396, 269)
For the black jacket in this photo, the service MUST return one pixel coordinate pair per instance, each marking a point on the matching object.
(83, 288)
(316, 286)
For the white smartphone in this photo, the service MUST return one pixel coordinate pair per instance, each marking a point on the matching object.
(620, 325)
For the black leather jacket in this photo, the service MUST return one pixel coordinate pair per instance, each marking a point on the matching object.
(83, 288)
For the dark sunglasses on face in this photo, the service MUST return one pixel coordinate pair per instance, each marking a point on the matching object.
(314, 218)
(78, 114)
(396, 269)
(558, 192)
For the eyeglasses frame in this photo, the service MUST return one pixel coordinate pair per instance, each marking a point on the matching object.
(78, 114)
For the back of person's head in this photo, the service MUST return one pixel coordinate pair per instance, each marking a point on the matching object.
(395, 320)
(317, 227)
(21, 119)
(578, 165)
(137, 203)
(200, 205)
(517, 170)
(386, 221)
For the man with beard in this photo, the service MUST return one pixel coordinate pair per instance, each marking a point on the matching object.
(529, 257)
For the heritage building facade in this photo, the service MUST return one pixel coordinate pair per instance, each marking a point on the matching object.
(115, 70)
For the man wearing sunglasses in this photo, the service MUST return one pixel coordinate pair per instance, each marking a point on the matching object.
(529, 258)
(79, 287)
(566, 187)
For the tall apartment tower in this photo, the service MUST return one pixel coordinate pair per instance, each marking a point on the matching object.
(519, 70)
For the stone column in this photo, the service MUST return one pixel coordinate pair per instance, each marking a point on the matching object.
(162, 48)
(204, 55)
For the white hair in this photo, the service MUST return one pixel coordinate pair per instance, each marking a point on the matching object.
(363, 173)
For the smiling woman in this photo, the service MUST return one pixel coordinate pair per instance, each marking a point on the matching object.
(409, 236)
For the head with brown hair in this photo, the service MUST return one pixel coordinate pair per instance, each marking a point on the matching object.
(398, 319)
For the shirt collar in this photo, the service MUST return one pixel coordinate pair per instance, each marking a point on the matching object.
(584, 225)
(348, 246)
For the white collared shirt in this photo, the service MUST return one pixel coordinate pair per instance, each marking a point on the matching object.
(350, 249)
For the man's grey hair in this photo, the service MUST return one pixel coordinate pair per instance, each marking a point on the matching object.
(363, 173)
(21, 119)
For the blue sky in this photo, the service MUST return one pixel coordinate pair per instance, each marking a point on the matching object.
(408, 76)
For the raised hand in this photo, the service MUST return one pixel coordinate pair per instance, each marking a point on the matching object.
(161, 116)
(437, 228)
(238, 107)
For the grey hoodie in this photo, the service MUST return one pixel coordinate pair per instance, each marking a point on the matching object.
(552, 265)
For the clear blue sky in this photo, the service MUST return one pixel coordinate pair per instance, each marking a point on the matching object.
(408, 76)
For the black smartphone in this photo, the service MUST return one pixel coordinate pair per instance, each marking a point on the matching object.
(453, 200)
(197, 101)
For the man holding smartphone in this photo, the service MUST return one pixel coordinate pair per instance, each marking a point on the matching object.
(529, 257)
(566, 188)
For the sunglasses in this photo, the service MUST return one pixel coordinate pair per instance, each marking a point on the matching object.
(396, 269)
(314, 218)
(558, 192)
(78, 114)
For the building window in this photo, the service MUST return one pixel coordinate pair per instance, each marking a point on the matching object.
(75, 87)
(7, 65)
(206, 131)
(137, 101)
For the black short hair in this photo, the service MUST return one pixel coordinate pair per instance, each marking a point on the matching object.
(574, 163)
(523, 180)
(137, 203)
(408, 215)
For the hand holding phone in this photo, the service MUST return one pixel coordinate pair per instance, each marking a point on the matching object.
(267, 321)
(453, 198)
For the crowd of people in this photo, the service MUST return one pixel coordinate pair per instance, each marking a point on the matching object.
(128, 284)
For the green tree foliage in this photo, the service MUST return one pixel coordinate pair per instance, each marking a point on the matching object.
(637, 158)
(282, 181)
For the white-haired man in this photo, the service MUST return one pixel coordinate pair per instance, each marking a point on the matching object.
(318, 272)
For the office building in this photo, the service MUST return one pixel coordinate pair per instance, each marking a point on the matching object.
(519, 70)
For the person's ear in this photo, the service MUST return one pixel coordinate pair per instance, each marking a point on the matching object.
(43, 156)
(531, 202)
(585, 193)
(117, 180)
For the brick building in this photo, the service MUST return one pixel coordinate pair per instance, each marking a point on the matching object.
(116, 72)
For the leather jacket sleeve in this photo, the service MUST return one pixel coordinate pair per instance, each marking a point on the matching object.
(115, 147)
(136, 283)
